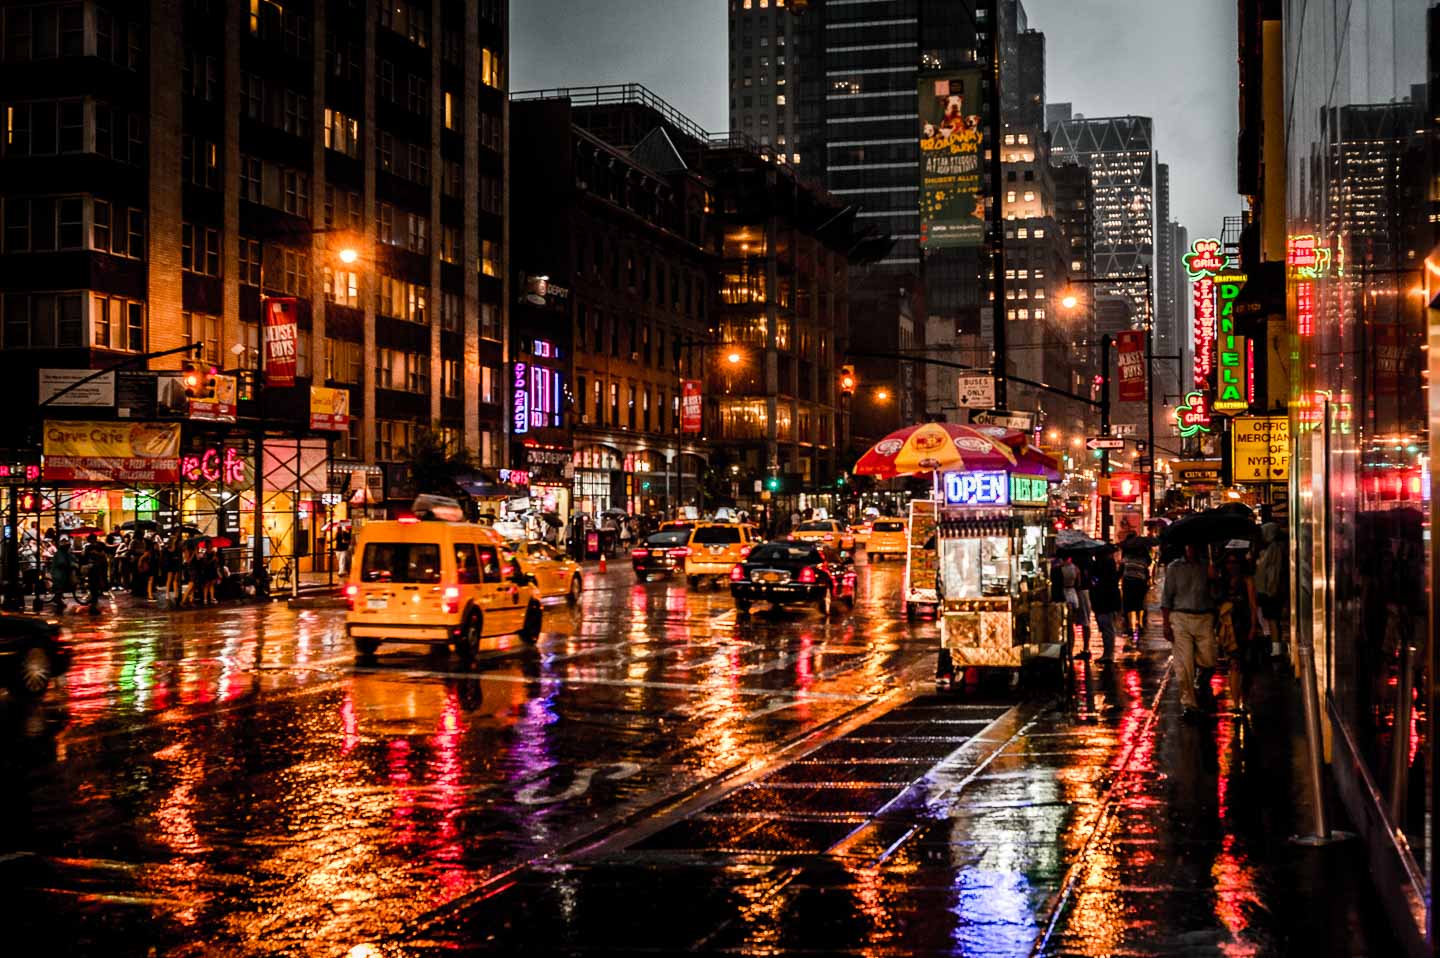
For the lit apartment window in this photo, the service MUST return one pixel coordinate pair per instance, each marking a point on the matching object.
(1010, 196)
(1029, 196)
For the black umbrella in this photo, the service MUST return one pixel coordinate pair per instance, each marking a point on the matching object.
(552, 520)
(1212, 525)
(615, 512)
(142, 525)
(1074, 542)
(1138, 545)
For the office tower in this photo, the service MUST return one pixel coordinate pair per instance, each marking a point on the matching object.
(1119, 153)
(1055, 114)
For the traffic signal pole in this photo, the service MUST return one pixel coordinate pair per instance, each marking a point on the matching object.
(1104, 484)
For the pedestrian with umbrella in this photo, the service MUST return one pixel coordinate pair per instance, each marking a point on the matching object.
(1105, 599)
(1135, 582)
(63, 570)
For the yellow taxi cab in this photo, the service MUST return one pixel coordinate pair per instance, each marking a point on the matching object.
(888, 537)
(715, 548)
(825, 532)
(556, 575)
(436, 583)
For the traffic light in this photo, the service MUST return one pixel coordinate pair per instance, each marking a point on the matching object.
(847, 380)
(199, 379)
(772, 484)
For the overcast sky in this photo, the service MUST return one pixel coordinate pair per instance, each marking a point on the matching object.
(1154, 58)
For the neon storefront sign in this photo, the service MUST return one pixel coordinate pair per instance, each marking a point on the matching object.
(1205, 259)
(521, 395)
(1231, 353)
(1192, 417)
(977, 488)
(224, 466)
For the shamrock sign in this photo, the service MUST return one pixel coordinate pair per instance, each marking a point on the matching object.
(1193, 415)
(1205, 258)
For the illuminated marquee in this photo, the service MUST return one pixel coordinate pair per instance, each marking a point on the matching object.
(1204, 302)
(225, 466)
(537, 394)
(1029, 491)
(521, 394)
(977, 488)
(1232, 387)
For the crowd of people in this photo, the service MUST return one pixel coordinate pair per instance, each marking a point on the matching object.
(176, 569)
(1224, 598)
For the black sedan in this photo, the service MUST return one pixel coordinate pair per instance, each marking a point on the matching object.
(33, 651)
(661, 554)
(787, 573)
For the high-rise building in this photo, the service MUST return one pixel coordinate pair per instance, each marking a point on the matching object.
(1167, 329)
(1180, 282)
(165, 165)
(1055, 114)
(1119, 152)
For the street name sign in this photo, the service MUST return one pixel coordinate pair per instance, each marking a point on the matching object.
(977, 392)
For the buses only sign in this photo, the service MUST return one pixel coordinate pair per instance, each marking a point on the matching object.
(1260, 447)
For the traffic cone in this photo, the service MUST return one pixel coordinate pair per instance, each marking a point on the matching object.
(602, 562)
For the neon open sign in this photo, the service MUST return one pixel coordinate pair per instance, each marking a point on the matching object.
(977, 488)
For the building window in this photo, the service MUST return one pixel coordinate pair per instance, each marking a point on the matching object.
(342, 134)
(251, 179)
(204, 329)
(249, 262)
(417, 94)
(490, 194)
(296, 119)
(199, 75)
(451, 382)
(491, 71)
(492, 131)
(452, 177)
(452, 316)
(449, 244)
(417, 233)
(43, 320)
(418, 167)
(294, 273)
(402, 299)
(200, 162)
(385, 151)
(297, 193)
(342, 287)
(409, 19)
(490, 257)
(387, 81)
(489, 321)
(344, 360)
(451, 119)
(199, 249)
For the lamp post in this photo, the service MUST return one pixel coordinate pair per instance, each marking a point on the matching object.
(347, 255)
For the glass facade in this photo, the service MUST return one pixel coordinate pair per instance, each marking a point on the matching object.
(1360, 126)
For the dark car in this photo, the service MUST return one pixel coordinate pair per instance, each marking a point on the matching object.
(662, 554)
(787, 573)
(33, 651)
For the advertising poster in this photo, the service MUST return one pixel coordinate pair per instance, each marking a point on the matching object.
(221, 406)
(1130, 347)
(952, 208)
(282, 337)
(329, 408)
(690, 406)
(147, 452)
(1260, 450)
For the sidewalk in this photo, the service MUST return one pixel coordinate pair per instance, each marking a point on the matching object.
(1106, 826)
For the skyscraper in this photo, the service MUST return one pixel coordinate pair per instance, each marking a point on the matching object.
(1119, 151)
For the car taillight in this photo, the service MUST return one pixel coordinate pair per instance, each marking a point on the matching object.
(679, 553)
(737, 574)
(408, 520)
(351, 591)
(450, 600)
(790, 538)
(828, 537)
(744, 551)
(639, 553)
(807, 574)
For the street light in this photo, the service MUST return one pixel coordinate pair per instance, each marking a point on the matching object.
(1070, 301)
(881, 395)
(348, 255)
(733, 359)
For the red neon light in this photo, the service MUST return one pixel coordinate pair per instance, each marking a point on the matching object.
(1204, 302)
(1305, 308)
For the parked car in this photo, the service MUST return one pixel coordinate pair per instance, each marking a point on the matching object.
(829, 532)
(661, 554)
(888, 537)
(437, 583)
(33, 651)
(556, 575)
(789, 573)
(715, 547)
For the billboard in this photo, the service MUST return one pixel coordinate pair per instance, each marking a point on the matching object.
(329, 408)
(61, 387)
(146, 452)
(690, 405)
(952, 207)
(221, 406)
(1130, 346)
(282, 339)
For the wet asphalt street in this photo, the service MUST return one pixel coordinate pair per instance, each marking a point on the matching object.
(233, 777)
(655, 778)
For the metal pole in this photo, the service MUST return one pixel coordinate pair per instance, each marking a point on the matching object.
(1310, 698)
(1104, 483)
(258, 571)
(997, 309)
(14, 589)
(1150, 387)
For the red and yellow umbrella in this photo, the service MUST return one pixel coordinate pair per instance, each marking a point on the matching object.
(941, 447)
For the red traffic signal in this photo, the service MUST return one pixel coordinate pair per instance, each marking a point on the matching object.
(848, 380)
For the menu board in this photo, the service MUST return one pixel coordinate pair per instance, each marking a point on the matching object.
(922, 563)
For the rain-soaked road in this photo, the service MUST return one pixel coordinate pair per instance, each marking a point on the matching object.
(232, 777)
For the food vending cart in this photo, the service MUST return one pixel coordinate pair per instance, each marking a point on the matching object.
(992, 546)
(920, 588)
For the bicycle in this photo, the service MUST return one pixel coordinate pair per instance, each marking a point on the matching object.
(280, 569)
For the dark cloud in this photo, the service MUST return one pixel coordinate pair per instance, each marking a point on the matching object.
(1158, 58)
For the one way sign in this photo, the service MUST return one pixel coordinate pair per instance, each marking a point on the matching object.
(1104, 442)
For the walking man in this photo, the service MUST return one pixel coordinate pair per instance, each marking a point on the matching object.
(1188, 607)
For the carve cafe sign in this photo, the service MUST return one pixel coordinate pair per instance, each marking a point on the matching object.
(224, 466)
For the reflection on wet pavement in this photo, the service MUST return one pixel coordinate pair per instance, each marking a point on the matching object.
(233, 777)
(655, 777)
